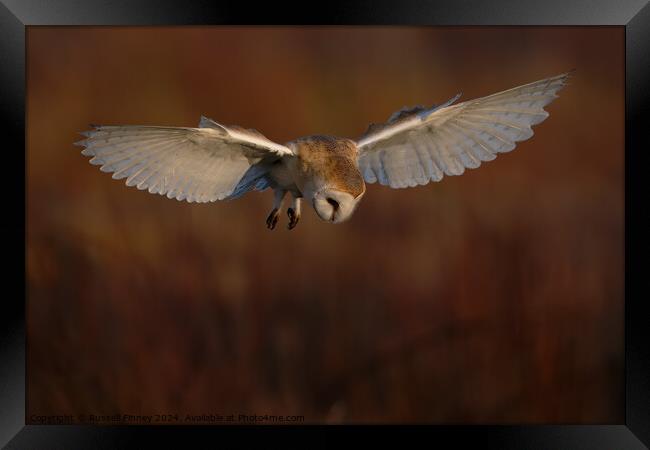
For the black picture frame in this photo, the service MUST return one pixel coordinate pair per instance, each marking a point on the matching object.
(16, 15)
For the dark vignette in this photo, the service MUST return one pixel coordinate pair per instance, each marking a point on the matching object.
(637, 111)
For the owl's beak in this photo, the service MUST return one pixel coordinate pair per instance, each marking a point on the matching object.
(333, 206)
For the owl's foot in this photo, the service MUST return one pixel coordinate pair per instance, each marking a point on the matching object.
(294, 213)
(272, 220)
(294, 218)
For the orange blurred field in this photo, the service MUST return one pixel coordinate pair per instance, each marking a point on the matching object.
(493, 297)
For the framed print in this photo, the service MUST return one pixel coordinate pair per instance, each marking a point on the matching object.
(338, 239)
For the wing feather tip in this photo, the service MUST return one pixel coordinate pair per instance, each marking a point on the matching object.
(96, 161)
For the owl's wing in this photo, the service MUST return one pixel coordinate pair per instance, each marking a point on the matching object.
(419, 145)
(202, 164)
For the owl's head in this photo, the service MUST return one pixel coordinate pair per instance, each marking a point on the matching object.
(334, 185)
(335, 205)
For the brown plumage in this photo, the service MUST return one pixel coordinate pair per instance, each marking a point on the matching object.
(333, 158)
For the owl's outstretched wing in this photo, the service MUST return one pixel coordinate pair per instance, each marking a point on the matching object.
(419, 145)
(202, 164)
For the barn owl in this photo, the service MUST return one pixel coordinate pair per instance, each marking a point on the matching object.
(414, 147)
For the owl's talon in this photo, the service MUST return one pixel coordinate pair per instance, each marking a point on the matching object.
(294, 218)
(272, 220)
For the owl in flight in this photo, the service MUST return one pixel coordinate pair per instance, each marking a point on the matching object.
(417, 145)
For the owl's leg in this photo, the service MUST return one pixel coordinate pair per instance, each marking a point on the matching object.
(294, 213)
(278, 197)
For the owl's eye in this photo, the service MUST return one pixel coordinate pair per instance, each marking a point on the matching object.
(333, 202)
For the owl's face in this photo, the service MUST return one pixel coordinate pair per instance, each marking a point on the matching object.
(335, 205)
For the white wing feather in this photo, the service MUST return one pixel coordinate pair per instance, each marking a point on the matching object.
(193, 164)
(447, 139)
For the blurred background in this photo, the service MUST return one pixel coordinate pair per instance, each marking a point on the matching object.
(493, 297)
